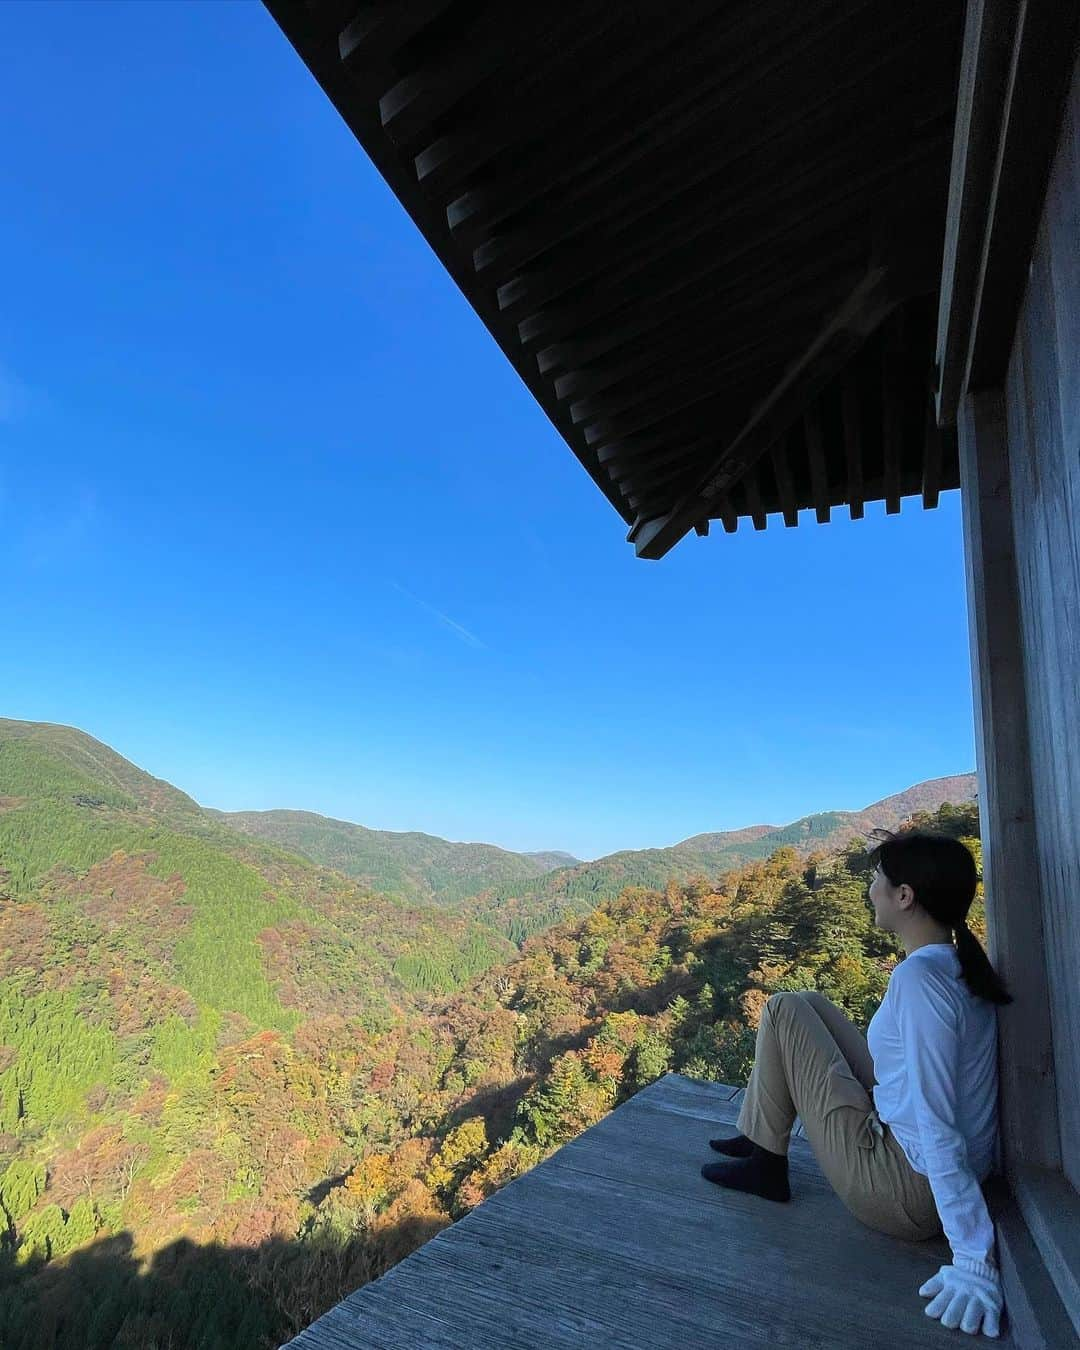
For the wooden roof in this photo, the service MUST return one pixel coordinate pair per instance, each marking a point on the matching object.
(708, 236)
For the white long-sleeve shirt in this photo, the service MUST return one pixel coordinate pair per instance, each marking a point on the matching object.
(934, 1045)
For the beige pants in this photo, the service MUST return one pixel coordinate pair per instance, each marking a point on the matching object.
(811, 1061)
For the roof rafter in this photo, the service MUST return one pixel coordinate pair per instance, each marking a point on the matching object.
(654, 214)
(864, 309)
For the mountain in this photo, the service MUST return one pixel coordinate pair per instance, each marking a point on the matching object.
(830, 829)
(552, 859)
(40, 759)
(519, 910)
(183, 1010)
(92, 843)
(235, 1084)
(523, 893)
(174, 1172)
(405, 866)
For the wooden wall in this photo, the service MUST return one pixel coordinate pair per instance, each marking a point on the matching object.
(1042, 409)
(1014, 915)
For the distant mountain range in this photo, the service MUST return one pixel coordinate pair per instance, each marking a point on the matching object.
(211, 1043)
(515, 894)
(213, 914)
(418, 868)
(520, 893)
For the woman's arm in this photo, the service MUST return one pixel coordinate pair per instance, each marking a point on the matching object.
(966, 1294)
(929, 1034)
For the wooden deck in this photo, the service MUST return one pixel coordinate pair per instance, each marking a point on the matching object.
(617, 1240)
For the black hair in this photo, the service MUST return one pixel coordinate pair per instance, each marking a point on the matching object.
(943, 876)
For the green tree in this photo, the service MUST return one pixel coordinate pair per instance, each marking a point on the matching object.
(20, 1187)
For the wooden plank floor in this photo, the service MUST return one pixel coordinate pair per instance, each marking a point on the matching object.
(617, 1240)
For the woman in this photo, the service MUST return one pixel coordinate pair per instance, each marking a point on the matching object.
(903, 1121)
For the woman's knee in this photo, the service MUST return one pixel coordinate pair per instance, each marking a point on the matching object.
(784, 1004)
(816, 999)
(776, 1001)
(787, 998)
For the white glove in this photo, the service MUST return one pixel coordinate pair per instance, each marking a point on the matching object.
(966, 1299)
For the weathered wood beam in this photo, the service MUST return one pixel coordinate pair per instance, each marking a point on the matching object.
(664, 480)
(931, 484)
(380, 27)
(668, 100)
(892, 426)
(679, 457)
(727, 514)
(684, 158)
(616, 460)
(730, 230)
(697, 288)
(852, 415)
(865, 308)
(693, 353)
(476, 54)
(646, 442)
(672, 99)
(815, 454)
(984, 76)
(634, 405)
(1015, 69)
(449, 162)
(753, 499)
(784, 483)
(1029, 1108)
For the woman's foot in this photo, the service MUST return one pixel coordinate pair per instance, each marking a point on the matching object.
(738, 1146)
(762, 1173)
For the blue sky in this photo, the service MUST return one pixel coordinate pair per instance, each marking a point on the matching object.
(280, 523)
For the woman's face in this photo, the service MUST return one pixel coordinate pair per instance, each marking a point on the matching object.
(883, 898)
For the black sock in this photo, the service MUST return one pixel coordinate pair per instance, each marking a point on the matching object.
(738, 1146)
(762, 1173)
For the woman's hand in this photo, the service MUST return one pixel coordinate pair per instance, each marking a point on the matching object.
(968, 1299)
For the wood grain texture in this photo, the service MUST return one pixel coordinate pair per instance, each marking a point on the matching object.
(1029, 1130)
(1020, 462)
(1043, 409)
(1037, 1315)
(616, 1240)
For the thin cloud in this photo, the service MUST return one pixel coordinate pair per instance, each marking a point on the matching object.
(459, 628)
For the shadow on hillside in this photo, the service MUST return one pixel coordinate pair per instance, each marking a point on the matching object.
(318, 1193)
(496, 1104)
(648, 1001)
(188, 1297)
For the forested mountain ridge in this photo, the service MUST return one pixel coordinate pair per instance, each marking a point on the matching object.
(45, 758)
(75, 816)
(832, 829)
(227, 1098)
(549, 859)
(520, 894)
(405, 865)
(523, 909)
(143, 949)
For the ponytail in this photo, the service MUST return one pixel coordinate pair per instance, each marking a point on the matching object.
(978, 974)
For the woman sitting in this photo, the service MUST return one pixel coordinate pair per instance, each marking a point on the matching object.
(904, 1120)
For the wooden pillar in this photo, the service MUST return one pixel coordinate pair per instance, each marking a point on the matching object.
(1029, 1116)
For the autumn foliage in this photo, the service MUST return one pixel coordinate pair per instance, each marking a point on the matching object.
(204, 1046)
